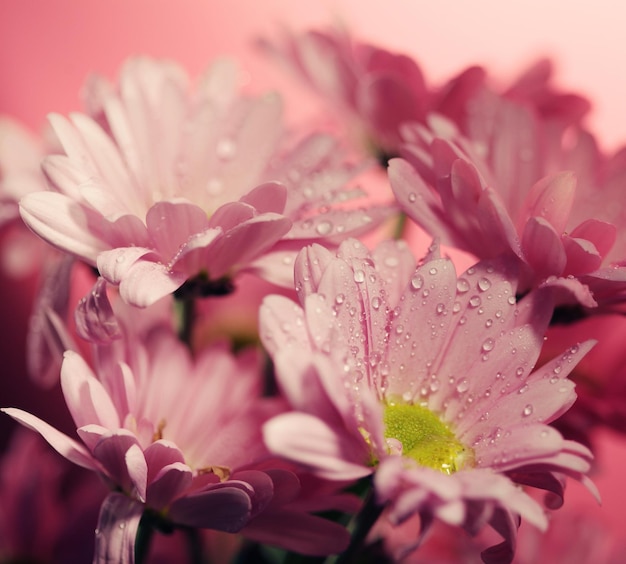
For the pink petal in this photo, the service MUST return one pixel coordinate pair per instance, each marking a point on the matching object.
(170, 482)
(223, 508)
(542, 248)
(308, 440)
(171, 224)
(238, 246)
(86, 398)
(146, 282)
(111, 451)
(65, 446)
(268, 197)
(63, 223)
(298, 532)
(603, 235)
(94, 317)
(582, 256)
(160, 454)
(551, 198)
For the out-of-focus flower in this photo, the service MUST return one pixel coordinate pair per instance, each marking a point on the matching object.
(375, 89)
(425, 379)
(177, 439)
(167, 184)
(171, 435)
(21, 153)
(44, 504)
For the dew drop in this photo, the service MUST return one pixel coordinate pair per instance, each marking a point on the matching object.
(432, 271)
(340, 298)
(324, 228)
(511, 300)
(484, 284)
(440, 308)
(528, 410)
(462, 285)
(519, 372)
(359, 276)
(462, 386)
(474, 301)
(412, 197)
(226, 149)
(376, 303)
(417, 282)
(488, 345)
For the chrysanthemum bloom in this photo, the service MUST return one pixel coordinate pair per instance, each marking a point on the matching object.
(425, 380)
(376, 91)
(177, 439)
(167, 184)
(476, 203)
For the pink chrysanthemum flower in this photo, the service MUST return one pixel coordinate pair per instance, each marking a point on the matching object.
(168, 184)
(172, 436)
(473, 196)
(375, 89)
(426, 380)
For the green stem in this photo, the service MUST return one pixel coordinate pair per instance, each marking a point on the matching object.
(365, 520)
(142, 541)
(400, 226)
(194, 545)
(185, 315)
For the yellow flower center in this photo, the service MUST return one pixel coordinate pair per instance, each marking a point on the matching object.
(425, 438)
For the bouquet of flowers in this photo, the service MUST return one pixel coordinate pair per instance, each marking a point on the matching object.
(364, 339)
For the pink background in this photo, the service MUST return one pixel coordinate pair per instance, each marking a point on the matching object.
(47, 47)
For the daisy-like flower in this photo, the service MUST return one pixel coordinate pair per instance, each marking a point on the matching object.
(175, 438)
(375, 89)
(167, 184)
(426, 380)
(504, 197)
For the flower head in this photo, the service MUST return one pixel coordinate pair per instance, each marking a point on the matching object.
(425, 379)
(508, 194)
(144, 427)
(167, 184)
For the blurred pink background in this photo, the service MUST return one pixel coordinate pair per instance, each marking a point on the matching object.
(48, 47)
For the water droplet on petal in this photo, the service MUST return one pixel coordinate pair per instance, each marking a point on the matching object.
(474, 301)
(376, 303)
(324, 228)
(226, 149)
(412, 197)
(340, 298)
(462, 386)
(359, 276)
(462, 285)
(484, 284)
(417, 282)
(528, 410)
(488, 345)
(432, 271)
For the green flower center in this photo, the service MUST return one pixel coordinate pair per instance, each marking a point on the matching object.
(425, 438)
